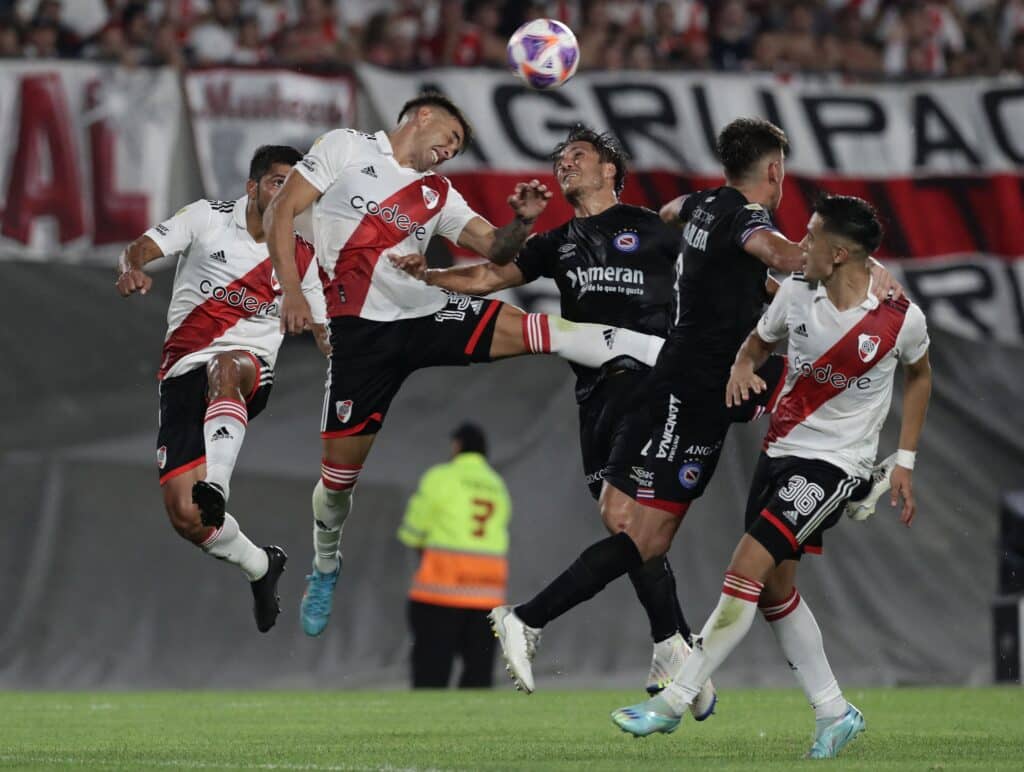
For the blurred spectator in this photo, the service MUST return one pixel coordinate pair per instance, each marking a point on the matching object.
(857, 52)
(214, 41)
(314, 39)
(41, 40)
(250, 49)
(1015, 60)
(108, 46)
(732, 37)
(48, 13)
(273, 17)
(10, 40)
(166, 50)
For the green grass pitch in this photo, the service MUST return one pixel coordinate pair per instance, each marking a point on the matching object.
(911, 729)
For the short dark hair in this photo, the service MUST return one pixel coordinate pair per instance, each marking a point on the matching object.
(608, 148)
(746, 141)
(268, 155)
(471, 439)
(437, 99)
(852, 218)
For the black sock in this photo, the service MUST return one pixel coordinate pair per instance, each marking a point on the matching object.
(597, 565)
(655, 586)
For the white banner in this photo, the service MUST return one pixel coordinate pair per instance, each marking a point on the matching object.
(236, 111)
(86, 158)
(669, 120)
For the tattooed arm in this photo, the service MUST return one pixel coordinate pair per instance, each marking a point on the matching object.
(500, 245)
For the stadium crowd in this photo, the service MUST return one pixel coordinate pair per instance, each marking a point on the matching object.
(865, 39)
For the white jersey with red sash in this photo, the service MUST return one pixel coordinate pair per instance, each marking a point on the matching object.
(225, 294)
(841, 365)
(369, 206)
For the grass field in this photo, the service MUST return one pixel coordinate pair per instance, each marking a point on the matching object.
(912, 729)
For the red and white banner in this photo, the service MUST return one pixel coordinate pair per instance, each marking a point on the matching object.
(86, 161)
(942, 161)
(235, 111)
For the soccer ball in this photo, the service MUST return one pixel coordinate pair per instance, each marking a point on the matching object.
(544, 53)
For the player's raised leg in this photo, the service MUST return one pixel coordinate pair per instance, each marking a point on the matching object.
(590, 345)
(262, 566)
(232, 377)
(332, 502)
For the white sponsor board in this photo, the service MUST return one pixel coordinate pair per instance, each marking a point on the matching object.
(235, 111)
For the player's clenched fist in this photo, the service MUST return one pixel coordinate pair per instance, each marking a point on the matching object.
(133, 280)
(296, 317)
(529, 199)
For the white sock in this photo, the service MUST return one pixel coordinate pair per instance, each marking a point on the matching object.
(799, 637)
(331, 507)
(224, 432)
(725, 628)
(228, 543)
(590, 345)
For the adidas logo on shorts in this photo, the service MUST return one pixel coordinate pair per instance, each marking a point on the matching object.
(609, 337)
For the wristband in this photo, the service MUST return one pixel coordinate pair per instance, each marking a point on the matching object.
(905, 458)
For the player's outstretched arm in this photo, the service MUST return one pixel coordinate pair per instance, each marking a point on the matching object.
(295, 196)
(917, 389)
(501, 245)
(669, 213)
(742, 378)
(477, 279)
(775, 250)
(131, 278)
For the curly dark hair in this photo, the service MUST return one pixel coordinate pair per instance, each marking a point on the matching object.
(746, 141)
(605, 143)
(852, 218)
(437, 99)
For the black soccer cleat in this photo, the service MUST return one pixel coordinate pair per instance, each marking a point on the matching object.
(265, 605)
(210, 500)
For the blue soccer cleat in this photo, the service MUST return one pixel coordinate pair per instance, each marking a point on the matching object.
(315, 609)
(649, 717)
(833, 737)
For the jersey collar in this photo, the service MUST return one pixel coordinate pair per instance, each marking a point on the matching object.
(868, 304)
(383, 143)
(238, 213)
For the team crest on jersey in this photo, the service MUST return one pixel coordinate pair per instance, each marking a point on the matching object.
(689, 475)
(867, 346)
(161, 456)
(627, 241)
(430, 197)
(343, 409)
(275, 285)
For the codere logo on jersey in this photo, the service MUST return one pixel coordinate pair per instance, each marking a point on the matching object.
(390, 214)
(239, 297)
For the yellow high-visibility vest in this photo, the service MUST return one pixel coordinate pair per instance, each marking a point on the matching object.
(459, 517)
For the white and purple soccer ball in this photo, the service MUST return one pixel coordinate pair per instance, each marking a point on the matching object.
(544, 53)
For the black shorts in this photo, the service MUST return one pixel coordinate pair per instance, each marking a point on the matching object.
(688, 429)
(614, 426)
(183, 400)
(793, 501)
(371, 360)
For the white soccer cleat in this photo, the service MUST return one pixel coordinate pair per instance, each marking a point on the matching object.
(519, 644)
(864, 508)
(666, 662)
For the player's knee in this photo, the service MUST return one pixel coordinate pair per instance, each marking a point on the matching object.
(224, 375)
(616, 515)
(184, 517)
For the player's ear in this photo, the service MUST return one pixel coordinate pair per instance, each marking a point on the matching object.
(252, 188)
